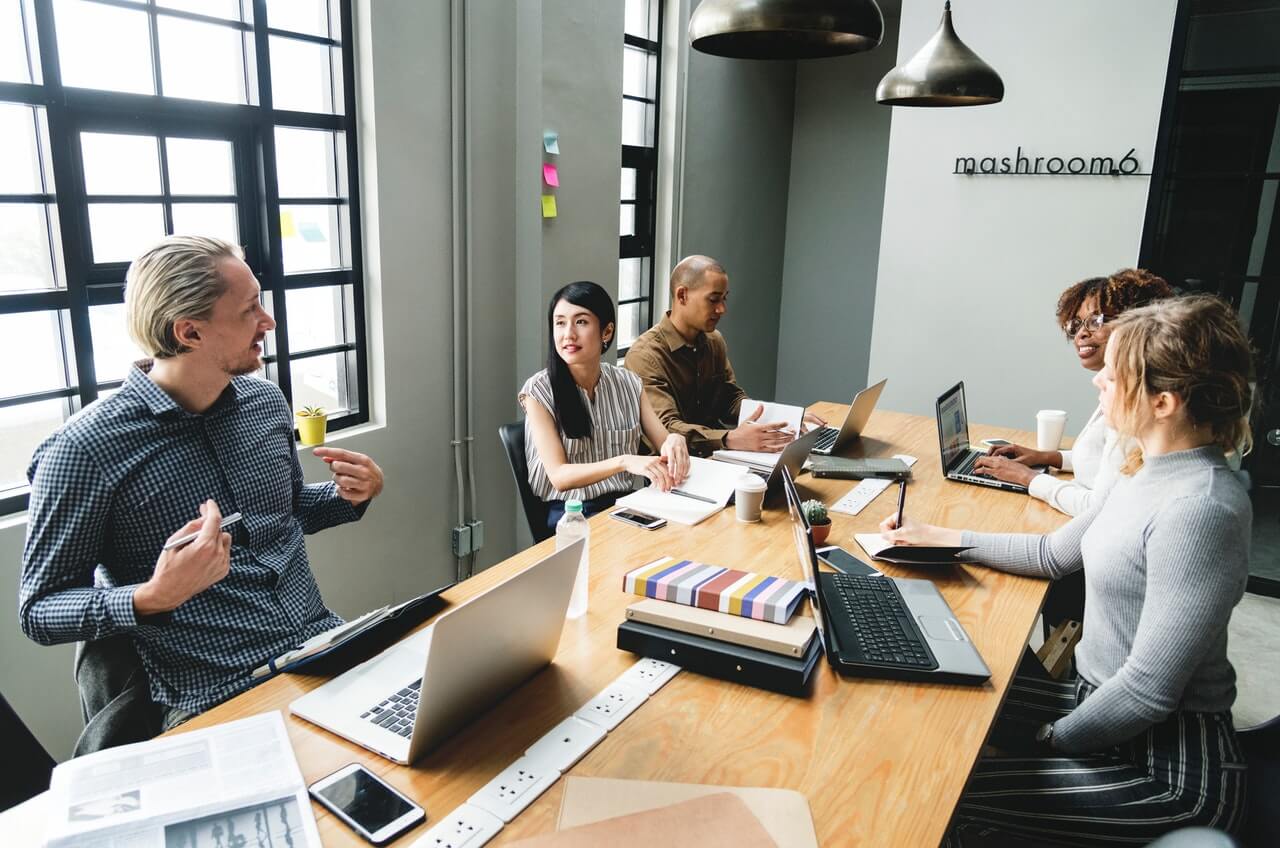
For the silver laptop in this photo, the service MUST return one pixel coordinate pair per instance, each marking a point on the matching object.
(878, 626)
(958, 456)
(833, 440)
(415, 694)
(790, 460)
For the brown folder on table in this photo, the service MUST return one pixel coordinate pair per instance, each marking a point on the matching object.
(790, 639)
(719, 820)
(783, 813)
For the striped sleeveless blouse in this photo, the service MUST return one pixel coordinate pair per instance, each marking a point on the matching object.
(615, 430)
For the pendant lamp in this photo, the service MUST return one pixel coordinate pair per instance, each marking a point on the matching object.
(944, 73)
(785, 29)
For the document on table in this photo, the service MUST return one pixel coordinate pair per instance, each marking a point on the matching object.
(239, 778)
(791, 417)
(703, 493)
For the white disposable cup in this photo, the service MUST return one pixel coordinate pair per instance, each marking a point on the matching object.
(749, 497)
(1050, 424)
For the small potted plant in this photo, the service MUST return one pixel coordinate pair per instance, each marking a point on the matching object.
(816, 513)
(311, 424)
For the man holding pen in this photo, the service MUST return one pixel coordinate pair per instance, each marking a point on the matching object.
(188, 432)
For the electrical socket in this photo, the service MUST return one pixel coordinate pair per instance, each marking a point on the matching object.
(516, 787)
(477, 534)
(465, 827)
(566, 743)
(614, 703)
(461, 538)
(649, 674)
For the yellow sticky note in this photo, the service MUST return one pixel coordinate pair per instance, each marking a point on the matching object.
(548, 205)
(287, 227)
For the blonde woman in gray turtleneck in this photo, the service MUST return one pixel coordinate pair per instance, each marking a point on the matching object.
(1142, 742)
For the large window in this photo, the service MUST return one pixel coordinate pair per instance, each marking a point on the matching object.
(641, 48)
(124, 120)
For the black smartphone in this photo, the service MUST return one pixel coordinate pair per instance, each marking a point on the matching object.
(367, 803)
(639, 519)
(843, 561)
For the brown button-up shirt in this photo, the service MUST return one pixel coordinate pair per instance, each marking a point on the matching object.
(690, 386)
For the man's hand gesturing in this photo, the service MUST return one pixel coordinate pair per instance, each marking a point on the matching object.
(182, 573)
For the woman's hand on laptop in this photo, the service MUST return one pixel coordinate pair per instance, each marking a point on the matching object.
(1027, 456)
(917, 533)
(1008, 470)
(676, 453)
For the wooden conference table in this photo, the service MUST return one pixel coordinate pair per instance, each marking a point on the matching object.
(881, 762)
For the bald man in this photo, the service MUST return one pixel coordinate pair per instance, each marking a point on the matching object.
(684, 365)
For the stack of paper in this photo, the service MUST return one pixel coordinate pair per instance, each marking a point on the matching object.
(790, 416)
(703, 493)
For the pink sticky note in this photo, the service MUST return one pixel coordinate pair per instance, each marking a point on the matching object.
(551, 175)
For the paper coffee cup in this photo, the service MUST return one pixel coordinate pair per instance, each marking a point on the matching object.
(1050, 424)
(749, 497)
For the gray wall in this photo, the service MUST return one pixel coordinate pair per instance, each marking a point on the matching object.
(840, 144)
(736, 168)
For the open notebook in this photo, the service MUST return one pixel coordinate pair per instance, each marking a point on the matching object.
(703, 493)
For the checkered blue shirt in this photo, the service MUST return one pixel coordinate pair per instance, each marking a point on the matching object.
(113, 483)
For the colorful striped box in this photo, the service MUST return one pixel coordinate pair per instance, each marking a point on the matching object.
(713, 587)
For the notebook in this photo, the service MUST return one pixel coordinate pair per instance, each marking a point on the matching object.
(877, 547)
(703, 493)
(713, 587)
(792, 418)
(788, 639)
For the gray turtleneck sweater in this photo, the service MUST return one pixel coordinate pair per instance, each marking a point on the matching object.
(1165, 555)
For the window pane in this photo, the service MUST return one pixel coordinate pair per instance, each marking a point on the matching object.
(637, 20)
(301, 77)
(113, 350)
(217, 220)
(316, 317)
(120, 164)
(19, 153)
(229, 9)
(104, 47)
(627, 220)
(307, 165)
(309, 16)
(628, 183)
(201, 61)
(25, 261)
(200, 166)
(320, 381)
(637, 72)
(637, 123)
(628, 323)
(13, 48)
(22, 429)
(631, 278)
(311, 239)
(35, 340)
(120, 232)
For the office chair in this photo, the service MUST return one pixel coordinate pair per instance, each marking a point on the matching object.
(1262, 749)
(27, 764)
(535, 509)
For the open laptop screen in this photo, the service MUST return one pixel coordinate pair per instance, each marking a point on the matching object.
(804, 551)
(953, 426)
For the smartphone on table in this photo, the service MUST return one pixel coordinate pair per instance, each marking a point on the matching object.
(367, 803)
(639, 519)
(845, 562)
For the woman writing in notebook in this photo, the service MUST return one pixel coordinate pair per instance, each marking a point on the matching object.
(1142, 742)
(1086, 313)
(584, 417)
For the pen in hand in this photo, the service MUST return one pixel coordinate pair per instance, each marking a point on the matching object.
(902, 500)
(226, 522)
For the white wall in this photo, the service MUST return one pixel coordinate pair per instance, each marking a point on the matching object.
(971, 267)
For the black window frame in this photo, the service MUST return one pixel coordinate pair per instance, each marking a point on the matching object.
(251, 129)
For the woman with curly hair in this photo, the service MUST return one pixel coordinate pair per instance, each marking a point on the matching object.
(1086, 313)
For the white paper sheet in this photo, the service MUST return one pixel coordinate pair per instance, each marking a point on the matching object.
(715, 481)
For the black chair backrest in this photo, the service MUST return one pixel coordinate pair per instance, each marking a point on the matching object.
(535, 509)
(1262, 749)
(27, 764)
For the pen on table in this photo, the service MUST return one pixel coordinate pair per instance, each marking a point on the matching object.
(227, 521)
(902, 499)
(685, 494)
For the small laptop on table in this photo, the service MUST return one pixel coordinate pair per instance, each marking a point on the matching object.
(958, 456)
(877, 626)
(832, 440)
(791, 460)
(413, 695)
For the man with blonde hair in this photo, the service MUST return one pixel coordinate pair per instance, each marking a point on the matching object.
(189, 432)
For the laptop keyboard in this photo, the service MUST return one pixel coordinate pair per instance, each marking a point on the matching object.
(965, 468)
(880, 621)
(397, 712)
(826, 439)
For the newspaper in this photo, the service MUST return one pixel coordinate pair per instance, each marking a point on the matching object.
(234, 784)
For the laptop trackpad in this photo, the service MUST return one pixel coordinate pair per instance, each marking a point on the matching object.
(942, 629)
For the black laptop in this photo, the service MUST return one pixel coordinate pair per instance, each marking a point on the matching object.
(958, 456)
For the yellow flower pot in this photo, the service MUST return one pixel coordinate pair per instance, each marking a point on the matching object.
(311, 428)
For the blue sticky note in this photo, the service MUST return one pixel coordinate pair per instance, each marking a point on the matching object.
(551, 142)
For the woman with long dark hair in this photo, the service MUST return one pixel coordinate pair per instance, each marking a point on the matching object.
(584, 417)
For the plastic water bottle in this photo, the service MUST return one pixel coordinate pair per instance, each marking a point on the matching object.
(569, 529)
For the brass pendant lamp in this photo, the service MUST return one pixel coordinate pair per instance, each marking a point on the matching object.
(945, 72)
(785, 29)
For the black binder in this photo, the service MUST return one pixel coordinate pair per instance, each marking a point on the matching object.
(750, 666)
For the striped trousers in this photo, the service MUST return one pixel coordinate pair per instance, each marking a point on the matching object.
(1186, 771)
